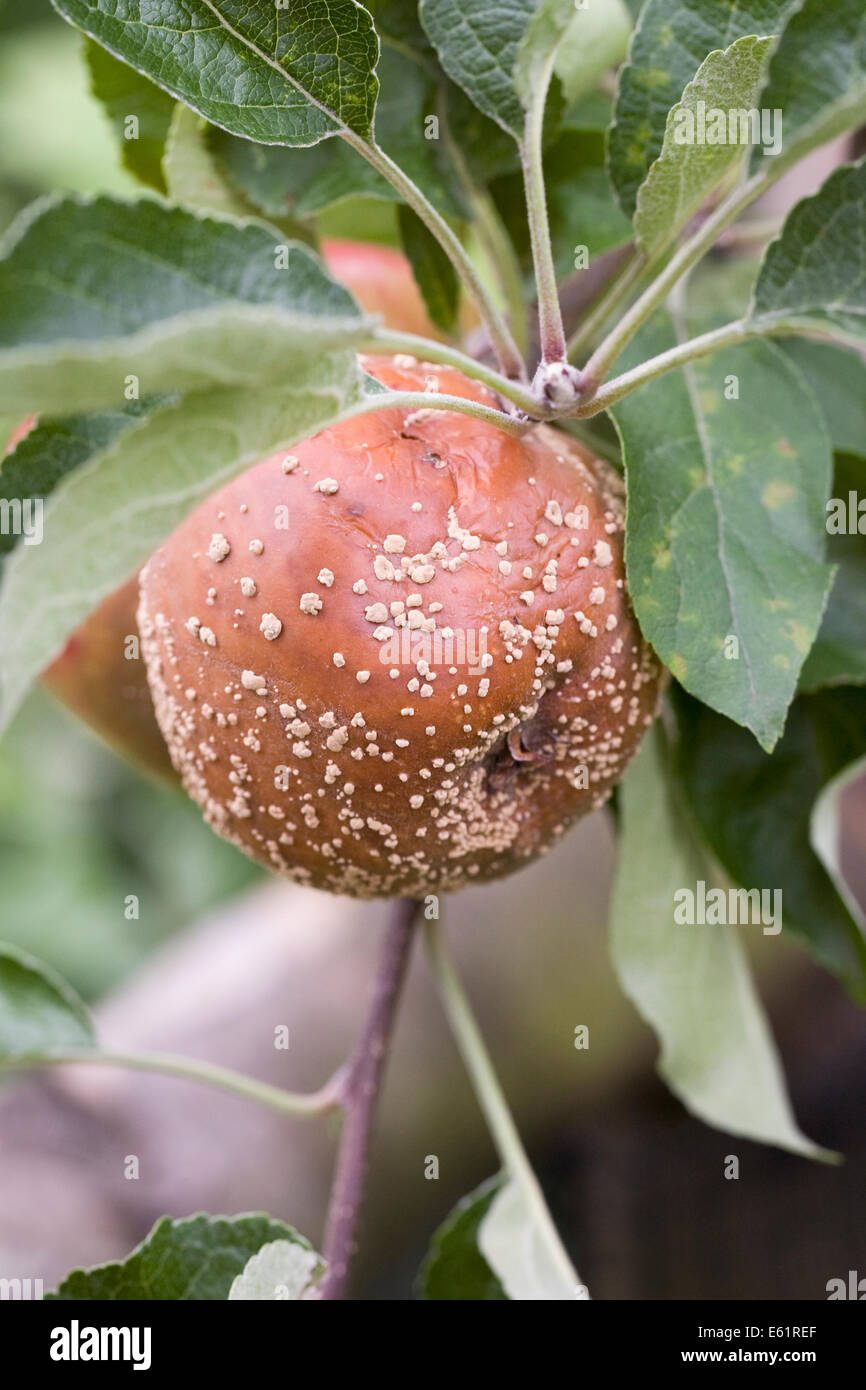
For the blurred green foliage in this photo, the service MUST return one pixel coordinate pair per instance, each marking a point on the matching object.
(80, 832)
(53, 135)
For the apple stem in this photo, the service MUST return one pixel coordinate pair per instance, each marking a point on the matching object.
(360, 1093)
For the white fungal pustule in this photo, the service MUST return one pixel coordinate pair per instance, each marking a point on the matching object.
(270, 626)
(218, 547)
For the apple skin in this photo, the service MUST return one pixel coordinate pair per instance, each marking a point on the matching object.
(323, 749)
(20, 432)
(93, 678)
(91, 675)
(381, 279)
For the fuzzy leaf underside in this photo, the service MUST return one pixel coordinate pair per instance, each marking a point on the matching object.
(691, 982)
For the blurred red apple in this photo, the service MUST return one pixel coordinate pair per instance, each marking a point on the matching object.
(381, 280)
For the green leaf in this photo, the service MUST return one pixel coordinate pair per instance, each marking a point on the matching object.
(719, 290)
(282, 1270)
(399, 23)
(103, 520)
(838, 656)
(691, 982)
(814, 272)
(303, 182)
(489, 151)
(838, 378)
(541, 41)
(54, 448)
(672, 39)
(455, 1268)
(817, 75)
(296, 182)
(825, 836)
(754, 812)
(191, 173)
(39, 1011)
(583, 42)
(687, 170)
(477, 42)
(432, 268)
(196, 1258)
(725, 531)
(285, 75)
(154, 293)
(510, 1242)
(125, 93)
(594, 42)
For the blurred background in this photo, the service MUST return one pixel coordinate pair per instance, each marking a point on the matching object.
(219, 955)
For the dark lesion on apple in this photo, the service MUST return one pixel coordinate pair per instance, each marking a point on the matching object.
(530, 744)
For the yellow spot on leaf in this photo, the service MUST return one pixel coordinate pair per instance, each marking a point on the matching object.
(800, 636)
(661, 556)
(678, 665)
(786, 450)
(776, 494)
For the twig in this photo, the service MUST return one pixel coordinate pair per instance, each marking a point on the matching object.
(361, 1088)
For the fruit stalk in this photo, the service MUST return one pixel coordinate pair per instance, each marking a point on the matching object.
(363, 1078)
